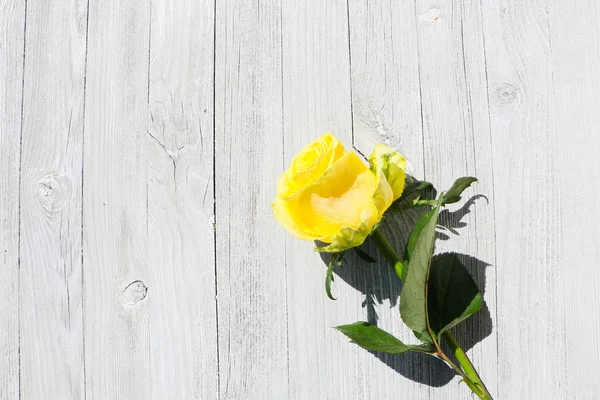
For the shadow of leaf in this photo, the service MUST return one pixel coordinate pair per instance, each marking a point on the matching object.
(451, 221)
(479, 325)
(378, 282)
(418, 367)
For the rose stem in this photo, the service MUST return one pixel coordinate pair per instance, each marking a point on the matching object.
(476, 384)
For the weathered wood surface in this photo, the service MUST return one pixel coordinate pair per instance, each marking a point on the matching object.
(140, 143)
(12, 36)
(52, 355)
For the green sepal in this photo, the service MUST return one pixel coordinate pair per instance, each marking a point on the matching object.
(346, 239)
(336, 260)
(404, 203)
(431, 203)
(414, 187)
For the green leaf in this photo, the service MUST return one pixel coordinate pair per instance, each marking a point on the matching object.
(403, 203)
(364, 256)
(459, 186)
(371, 337)
(414, 187)
(423, 337)
(416, 232)
(416, 202)
(413, 298)
(452, 295)
(336, 259)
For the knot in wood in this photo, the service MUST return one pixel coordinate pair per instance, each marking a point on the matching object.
(505, 94)
(431, 16)
(53, 192)
(135, 292)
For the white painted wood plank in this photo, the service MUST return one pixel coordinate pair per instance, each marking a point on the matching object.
(317, 99)
(181, 259)
(573, 151)
(12, 28)
(386, 109)
(250, 245)
(457, 143)
(531, 297)
(51, 322)
(478, 239)
(115, 202)
(385, 78)
(148, 200)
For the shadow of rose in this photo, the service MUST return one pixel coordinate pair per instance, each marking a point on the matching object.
(378, 283)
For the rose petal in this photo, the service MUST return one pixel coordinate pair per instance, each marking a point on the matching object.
(343, 197)
(393, 166)
(310, 164)
(290, 221)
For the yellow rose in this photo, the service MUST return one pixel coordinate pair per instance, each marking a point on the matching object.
(330, 195)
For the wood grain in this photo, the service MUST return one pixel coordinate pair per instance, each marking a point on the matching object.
(52, 359)
(251, 269)
(386, 106)
(530, 293)
(456, 142)
(386, 109)
(574, 39)
(115, 203)
(12, 36)
(317, 99)
(140, 144)
(181, 257)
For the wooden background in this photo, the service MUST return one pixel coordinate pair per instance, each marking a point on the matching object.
(140, 142)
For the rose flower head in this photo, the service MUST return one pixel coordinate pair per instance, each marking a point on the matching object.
(328, 194)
